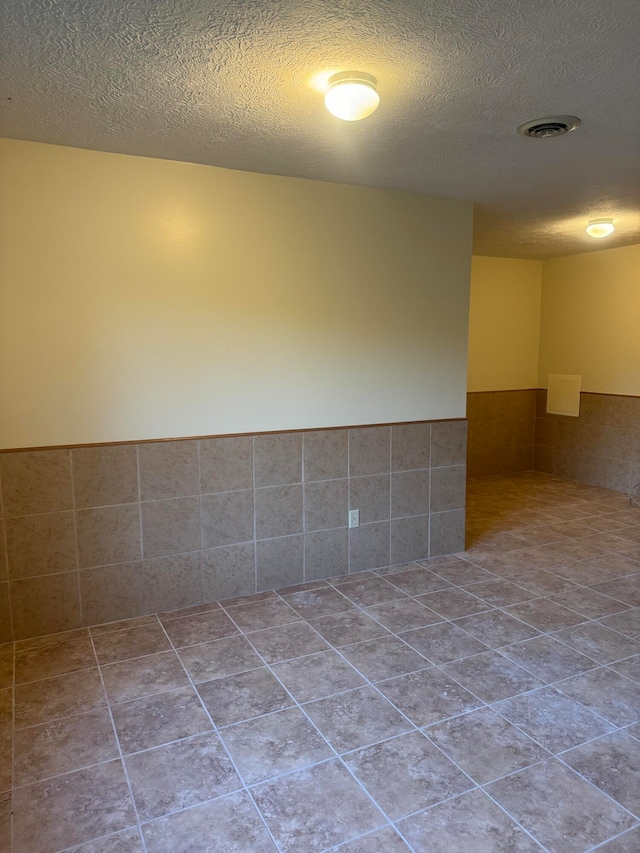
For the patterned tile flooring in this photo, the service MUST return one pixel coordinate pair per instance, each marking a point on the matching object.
(482, 703)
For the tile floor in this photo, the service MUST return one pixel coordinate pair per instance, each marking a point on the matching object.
(487, 703)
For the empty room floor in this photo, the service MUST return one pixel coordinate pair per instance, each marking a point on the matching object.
(481, 703)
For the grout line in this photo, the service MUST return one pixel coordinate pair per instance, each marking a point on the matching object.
(112, 835)
(255, 514)
(336, 754)
(120, 753)
(349, 529)
(75, 533)
(415, 727)
(556, 684)
(224, 745)
(200, 525)
(13, 749)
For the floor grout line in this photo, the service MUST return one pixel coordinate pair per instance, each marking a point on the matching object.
(224, 746)
(386, 575)
(120, 753)
(327, 742)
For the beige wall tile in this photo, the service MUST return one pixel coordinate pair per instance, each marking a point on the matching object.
(3, 552)
(448, 443)
(524, 430)
(45, 605)
(409, 493)
(168, 469)
(544, 459)
(36, 481)
(545, 431)
(41, 544)
(448, 488)
(446, 533)
(410, 447)
(111, 593)
(601, 455)
(479, 463)
(5, 820)
(501, 434)
(228, 571)
(278, 511)
(567, 434)
(501, 458)
(619, 443)
(516, 404)
(622, 412)
(591, 469)
(479, 406)
(592, 439)
(502, 431)
(172, 572)
(522, 458)
(279, 562)
(372, 496)
(409, 539)
(105, 475)
(567, 463)
(172, 582)
(226, 464)
(326, 454)
(593, 409)
(326, 504)
(326, 554)
(480, 435)
(369, 546)
(108, 535)
(170, 526)
(6, 632)
(617, 475)
(369, 451)
(227, 518)
(278, 459)
(541, 403)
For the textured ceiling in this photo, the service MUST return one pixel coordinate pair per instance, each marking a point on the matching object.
(239, 84)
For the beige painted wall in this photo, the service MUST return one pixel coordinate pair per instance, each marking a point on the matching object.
(504, 324)
(591, 320)
(145, 298)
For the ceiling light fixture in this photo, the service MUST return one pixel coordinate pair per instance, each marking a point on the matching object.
(352, 95)
(599, 228)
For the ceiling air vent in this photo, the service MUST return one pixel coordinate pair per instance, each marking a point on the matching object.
(549, 126)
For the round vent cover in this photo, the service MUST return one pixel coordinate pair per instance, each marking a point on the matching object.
(549, 126)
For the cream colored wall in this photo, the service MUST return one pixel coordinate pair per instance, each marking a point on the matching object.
(504, 324)
(145, 299)
(591, 320)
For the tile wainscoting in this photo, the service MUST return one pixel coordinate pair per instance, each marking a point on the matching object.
(600, 447)
(510, 431)
(97, 534)
(501, 431)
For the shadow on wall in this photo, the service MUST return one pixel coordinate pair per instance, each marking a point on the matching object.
(501, 432)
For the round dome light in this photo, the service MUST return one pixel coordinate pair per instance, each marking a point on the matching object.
(352, 95)
(599, 228)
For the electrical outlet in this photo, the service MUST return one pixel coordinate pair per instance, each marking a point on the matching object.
(354, 518)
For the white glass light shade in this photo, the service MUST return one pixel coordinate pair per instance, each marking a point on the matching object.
(599, 228)
(352, 95)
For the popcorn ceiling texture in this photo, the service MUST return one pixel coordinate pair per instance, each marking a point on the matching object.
(232, 85)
